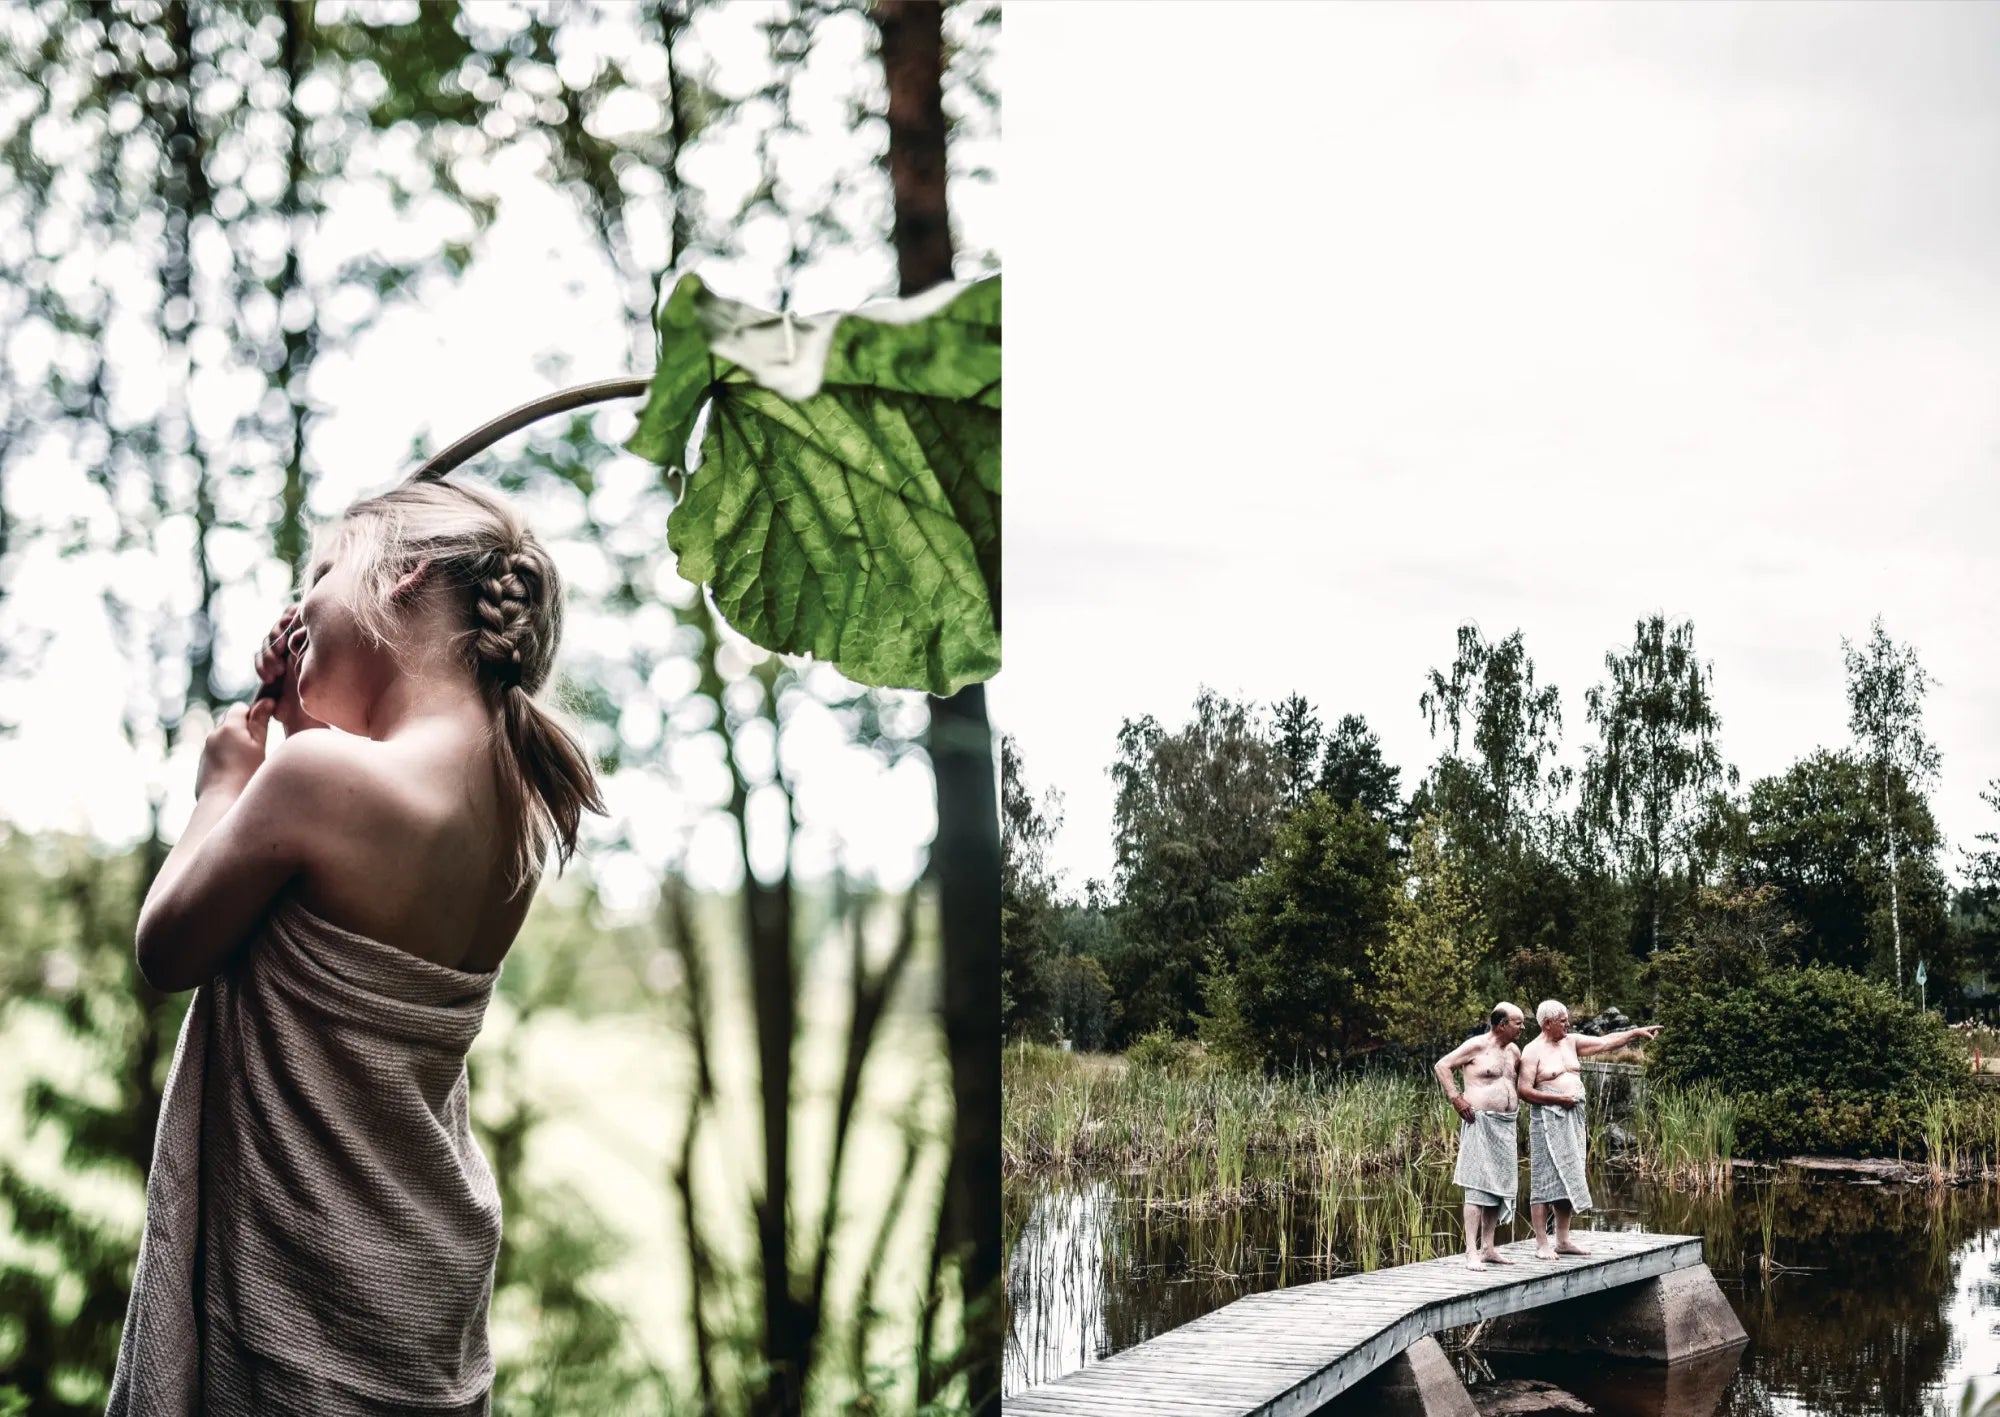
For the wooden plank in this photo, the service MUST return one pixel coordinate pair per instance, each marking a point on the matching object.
(1285, 1353)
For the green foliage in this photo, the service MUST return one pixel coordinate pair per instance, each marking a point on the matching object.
(1160, 1051)
(580, 1356)
(70, 978)
(1426, 984)
(1796, 1121)
(1982, 865)
(1733, 936)
(1808, 1038)
(1496, 783)
(1086, 1010)
(1687, 1135)
(1298, 739)
(1490, 698)
(1305, 930)
(1537, 974)
(1815, 834)
(1193, 815)
(1352, 769)
(1061, 1110)
(1221, 1026)
(1028, 912)
(1657, 759)
(846, 503)
(1885, 697)
(1346, 763)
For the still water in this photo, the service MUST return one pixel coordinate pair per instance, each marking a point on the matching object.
(1887, 1302)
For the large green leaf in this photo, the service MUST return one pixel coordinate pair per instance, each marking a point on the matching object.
(846, 501)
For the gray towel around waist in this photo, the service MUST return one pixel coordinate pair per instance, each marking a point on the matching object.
(321, 1227)
(1489, 1157)
(1558, 1148)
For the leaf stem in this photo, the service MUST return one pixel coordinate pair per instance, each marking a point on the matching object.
(493, 430)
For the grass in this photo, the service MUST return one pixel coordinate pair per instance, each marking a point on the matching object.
(1217, 1136)
(1064, 1113)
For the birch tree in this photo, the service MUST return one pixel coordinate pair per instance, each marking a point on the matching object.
(1885, 698)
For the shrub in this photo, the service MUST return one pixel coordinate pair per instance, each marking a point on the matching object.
(1160, 1051)
(1733, 937)
(1223, 1030)
(1537, 974)
(1799, 1120)
(1818, 1060)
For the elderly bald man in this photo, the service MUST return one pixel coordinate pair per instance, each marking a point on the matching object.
(1551, 1083)
(1489, 1156)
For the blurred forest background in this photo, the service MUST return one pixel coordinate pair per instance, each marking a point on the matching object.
(1293, 899)
(252, 256)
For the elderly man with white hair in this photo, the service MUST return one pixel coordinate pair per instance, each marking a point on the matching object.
(1551, 1083)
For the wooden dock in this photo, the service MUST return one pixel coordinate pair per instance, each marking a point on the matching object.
(1287, 1352)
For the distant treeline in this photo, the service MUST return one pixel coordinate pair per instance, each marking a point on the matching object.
(1278, 893)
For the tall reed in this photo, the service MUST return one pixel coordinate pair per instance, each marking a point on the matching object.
(1686, 1136)
(1061, 1113)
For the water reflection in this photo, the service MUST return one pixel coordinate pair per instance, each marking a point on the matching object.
(1876, 1300)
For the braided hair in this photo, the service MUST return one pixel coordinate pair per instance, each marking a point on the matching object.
(475, 547)
(505, 641)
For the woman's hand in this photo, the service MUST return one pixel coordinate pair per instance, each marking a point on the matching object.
(235, 748)
(278, 672)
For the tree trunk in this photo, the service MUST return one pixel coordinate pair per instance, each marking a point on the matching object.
(965, 858)
(1654, 946)
(767, 921)
(301, 345)
(1895, 904)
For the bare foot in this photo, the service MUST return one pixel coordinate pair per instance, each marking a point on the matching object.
(1543, 1252)
(1570, 1247)
(1474, 1262)
(1495, 1257)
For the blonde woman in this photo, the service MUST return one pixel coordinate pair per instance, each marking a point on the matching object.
(321, 1227)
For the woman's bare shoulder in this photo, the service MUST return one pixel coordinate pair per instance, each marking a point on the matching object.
(345, 782)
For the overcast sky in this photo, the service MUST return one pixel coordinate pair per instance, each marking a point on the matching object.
(1334, 326)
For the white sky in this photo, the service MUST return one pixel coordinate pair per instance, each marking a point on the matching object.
(1333, 326)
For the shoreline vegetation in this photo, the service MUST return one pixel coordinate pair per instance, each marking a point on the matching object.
(1229, 1136)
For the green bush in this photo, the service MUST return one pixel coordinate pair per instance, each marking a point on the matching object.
(1160, 1051)
(1825, 1030)
(1223, 1030)
(1797, 1121)
(1818, 1059)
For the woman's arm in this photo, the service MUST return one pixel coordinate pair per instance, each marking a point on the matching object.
(245, 840)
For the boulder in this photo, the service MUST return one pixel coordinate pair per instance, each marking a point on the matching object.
(1610, 1021)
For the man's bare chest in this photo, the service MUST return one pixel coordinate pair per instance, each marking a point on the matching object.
(1558, 1060)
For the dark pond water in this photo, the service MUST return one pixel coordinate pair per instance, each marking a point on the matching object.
(1889, 1305)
